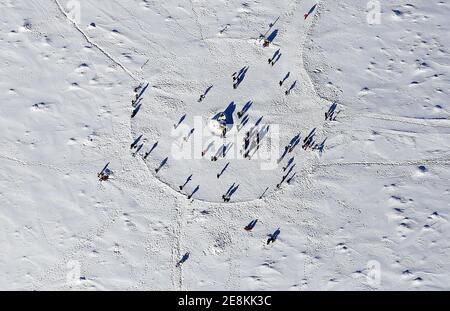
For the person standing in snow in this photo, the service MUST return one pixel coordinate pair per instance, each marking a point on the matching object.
(272, 237)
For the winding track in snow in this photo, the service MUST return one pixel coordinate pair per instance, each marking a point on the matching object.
(98, 47)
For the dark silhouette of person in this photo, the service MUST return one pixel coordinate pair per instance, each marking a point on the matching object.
(272, 237)
(183, 259)
(274, 56)
(251, 225)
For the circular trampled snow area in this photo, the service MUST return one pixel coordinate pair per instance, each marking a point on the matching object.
(187, 134)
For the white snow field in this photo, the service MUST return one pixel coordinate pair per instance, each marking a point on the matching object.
(367, 210)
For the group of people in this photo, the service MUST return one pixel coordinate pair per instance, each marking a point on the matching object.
(238, 77)
(249, 146)
(272, 237)
(331, 114)
(275, 58)
(252, 138)
(222, 152)
(308, 141)
(227, 196)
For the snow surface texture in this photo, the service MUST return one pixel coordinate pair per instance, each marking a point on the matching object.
(376, 198)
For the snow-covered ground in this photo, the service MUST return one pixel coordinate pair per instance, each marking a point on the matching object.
(369, 211)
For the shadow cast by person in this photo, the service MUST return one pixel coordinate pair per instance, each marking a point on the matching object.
(309, 143)
(179, 121)
(252, 131)
(224, 28)
(138, 149)
(186, 182)
(104, 168)
(136, 110)
(291, 160)
(329, 114)
(251, 225)
(289, 181)
(273, 56)
(250, 148)
(286, 149)
(310, 11)
(223, 170)
(290, 171)
(309, 140)
(186, 138)
(227, 149)
(285, 78)
(227, 196)
(233, 190)
(139, 95)
(211, 143)
(273, 237)
(183, 259)
(229, 189)
(161, 165)
(135, 142)
(246, 145)
(276, 60)
(321, 146)
(245, 108)
(136, 103)
(219, 152)
(262, 195)
(333, 118)
(262, 133)
(256, 144)
(312, 133)
(193, 192)
(236, 75)
(244, 121)
(291, 88)
(240, 77)
(202, 97)
(230, 194)
(293, 143)
(151, 150)
(259, 121)
(330, 111)
(223, 150)
(285, 176)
